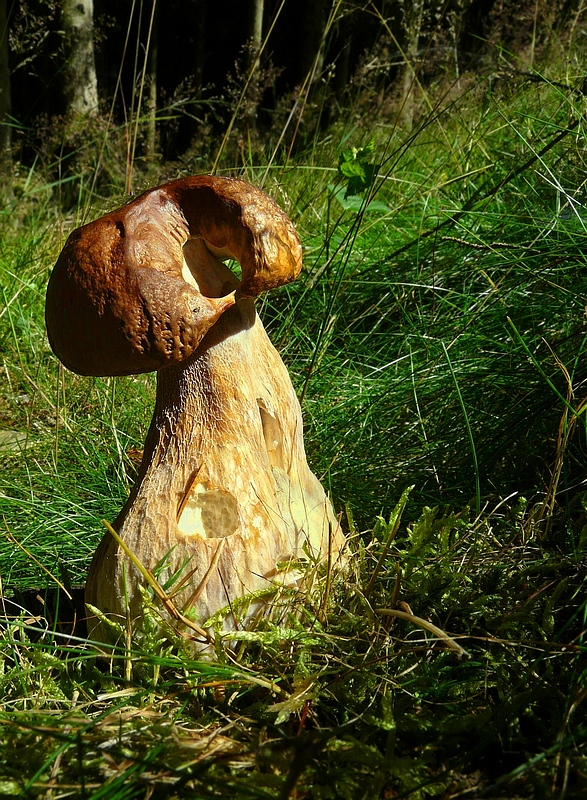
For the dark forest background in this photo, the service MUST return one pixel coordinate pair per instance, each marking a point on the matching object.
(180, 70)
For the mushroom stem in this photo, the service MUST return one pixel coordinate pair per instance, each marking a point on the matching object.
(224, 457)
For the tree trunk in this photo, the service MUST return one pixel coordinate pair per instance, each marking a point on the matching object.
(412, 28)
(311, 50)
(199, 34)
(343, 55)
(152, 78)
(256, 32)
(5, 107)
(197, 44)
(81, 86)
(255, 40)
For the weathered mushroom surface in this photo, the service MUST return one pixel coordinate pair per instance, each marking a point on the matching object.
(224, 479)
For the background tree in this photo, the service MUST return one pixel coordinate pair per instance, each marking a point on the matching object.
(412, 23)
(394, 49)
(255, 32)
(199, 46)
(152, 53)
(255, 41)
(5, 104)
(311, 48)
(81, 84)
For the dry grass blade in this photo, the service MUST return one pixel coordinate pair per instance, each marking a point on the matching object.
(156, 587)
(428, 626)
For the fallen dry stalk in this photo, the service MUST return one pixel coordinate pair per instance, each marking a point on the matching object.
(428, 626)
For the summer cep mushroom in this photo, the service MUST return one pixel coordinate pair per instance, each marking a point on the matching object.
(224, 493)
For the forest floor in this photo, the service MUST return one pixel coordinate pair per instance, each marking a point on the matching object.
(436, 337)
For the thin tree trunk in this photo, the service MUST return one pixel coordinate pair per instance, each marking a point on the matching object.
(412, 27)
(311, 50)
(199, 33)
(343, 56)
(152, 77)
(198, 48)
(81, 86)
(256, 32)
(256, 10)
(5, 107)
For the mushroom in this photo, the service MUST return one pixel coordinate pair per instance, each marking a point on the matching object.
(224, 493)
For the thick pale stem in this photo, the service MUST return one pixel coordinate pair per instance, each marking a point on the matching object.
(224, 459)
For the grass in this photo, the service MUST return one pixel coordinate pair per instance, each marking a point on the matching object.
(436, 337)
(420, 311)
(350, 706)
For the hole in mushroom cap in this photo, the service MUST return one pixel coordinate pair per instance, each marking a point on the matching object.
(209, 513)
(205, 272)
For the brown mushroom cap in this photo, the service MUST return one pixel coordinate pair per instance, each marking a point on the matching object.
(117, 300)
